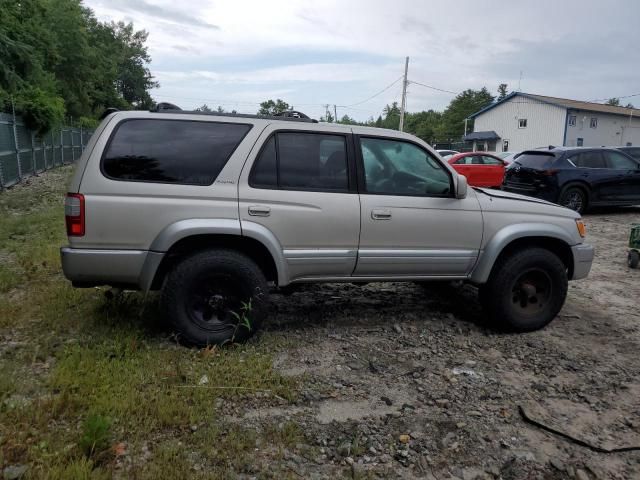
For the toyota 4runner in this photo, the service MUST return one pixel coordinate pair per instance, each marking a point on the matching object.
(214, 210)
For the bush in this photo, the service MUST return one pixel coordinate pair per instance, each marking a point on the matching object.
(41, 111)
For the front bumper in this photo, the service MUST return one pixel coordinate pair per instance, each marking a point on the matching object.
(582, 259)
(92, 267)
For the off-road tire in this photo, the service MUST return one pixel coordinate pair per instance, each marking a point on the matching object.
(633, 259)
(573, 192)
(235, 276)
(511, 298)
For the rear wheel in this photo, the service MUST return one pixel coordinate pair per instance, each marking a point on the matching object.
(633, 259)
(215, 297)
(574, 198)
(526, 290)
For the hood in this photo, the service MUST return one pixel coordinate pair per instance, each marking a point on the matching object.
(499, 200)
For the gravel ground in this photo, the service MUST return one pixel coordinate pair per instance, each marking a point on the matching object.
(407, 381)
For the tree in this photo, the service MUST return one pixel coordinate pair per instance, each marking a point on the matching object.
(55, 56)
(613, 101)
(502, 91)
(204, 108)
(465, 104)
(629, 105)
(423, 124)
(391, 117)
(269, 107)
(347, 120)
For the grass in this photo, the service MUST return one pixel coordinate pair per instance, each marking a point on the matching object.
(91, 388)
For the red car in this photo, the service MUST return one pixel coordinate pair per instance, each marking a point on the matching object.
(482, 169)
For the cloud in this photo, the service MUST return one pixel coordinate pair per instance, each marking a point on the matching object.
(339, 52)
(159, 11)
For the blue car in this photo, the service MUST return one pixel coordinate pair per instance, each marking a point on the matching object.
(577, 178)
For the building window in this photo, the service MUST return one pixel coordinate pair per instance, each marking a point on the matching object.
(505, 145)
(594, 122)
(579, 142)
(572, 120)
(522, 123)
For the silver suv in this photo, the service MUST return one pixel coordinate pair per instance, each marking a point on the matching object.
(215, 210)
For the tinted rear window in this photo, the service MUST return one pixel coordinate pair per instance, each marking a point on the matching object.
(171, 151)
(535, 160)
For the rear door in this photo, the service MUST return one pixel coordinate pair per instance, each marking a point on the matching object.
(300, 187)
(628, 171)
(493, 170)
(604, 182)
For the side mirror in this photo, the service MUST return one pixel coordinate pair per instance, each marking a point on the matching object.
(461, 188)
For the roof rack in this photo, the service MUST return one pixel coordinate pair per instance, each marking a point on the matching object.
(289, 115)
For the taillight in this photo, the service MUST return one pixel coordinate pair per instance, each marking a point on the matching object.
(74, 214)
(550, 172)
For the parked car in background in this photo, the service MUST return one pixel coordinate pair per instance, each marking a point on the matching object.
(482, 169)
(631, 151)
(507, 157)
(447, 153)
(576, 178)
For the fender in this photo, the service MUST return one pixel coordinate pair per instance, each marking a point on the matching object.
(508, 234)
(209, 226)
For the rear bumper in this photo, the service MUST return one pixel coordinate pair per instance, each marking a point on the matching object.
(582, 260)
(93, 267)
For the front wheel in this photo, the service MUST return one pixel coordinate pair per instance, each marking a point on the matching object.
(526, 290)
(633, 259)
(215, 297)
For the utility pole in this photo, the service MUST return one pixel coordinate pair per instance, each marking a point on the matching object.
(335, 114)
(404, 93)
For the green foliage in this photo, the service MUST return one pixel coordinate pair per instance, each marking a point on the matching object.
(40, 110)
(502, 91)
(613, 101)
(269, 107)
(95, 435)
(465, 104)
(58, 49)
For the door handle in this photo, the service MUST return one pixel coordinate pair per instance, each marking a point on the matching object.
(380, 214)
(259, 211)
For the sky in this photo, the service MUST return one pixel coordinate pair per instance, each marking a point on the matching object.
(238, 53)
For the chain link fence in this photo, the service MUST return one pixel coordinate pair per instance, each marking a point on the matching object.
(24, 153)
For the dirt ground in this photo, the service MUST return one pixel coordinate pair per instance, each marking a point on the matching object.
(402, 381)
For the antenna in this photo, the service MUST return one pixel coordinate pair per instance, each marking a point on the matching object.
(520, 81)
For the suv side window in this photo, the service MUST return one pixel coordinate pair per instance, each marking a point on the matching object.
(171, 151)
(589, 160)
(405, 169)
(618, 161)
(302, 161)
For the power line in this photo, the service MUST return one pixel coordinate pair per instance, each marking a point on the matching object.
(433, 88)
(623, 96)
(375, 95)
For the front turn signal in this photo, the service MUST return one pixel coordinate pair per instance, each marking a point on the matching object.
(582, 230)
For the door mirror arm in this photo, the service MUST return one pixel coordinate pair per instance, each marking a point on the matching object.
(461, 187)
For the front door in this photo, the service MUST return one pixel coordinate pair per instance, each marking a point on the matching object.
(301, 188)
(412, 224)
